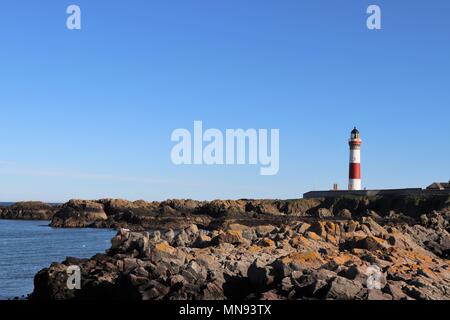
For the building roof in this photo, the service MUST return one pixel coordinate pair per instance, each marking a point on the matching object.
(439, 186)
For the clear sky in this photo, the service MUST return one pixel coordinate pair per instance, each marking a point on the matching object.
(89, 113)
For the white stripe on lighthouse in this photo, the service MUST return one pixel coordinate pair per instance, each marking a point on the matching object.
(354, 184)
(355, 156)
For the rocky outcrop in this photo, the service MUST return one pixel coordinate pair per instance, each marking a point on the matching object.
(79, 213)
(31, 210)
(432, 232)
(318, 259)
(141, 215)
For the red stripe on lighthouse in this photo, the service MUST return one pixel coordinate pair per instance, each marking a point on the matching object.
(355, 171)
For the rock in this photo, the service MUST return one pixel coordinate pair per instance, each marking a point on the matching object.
(163, 252)
(194, 271)
(299, 207)
(154, 291)
(309, 285)
(343, 289)
(202, 241)
(355, 273)
(415, 293)
(169, 235)
(246, 232)
(395, 291)
(298, 261)
(182, 205)
(319, 228)
(372, 214)
(208, 260)
(303, 228)
(214, 291)
(324, 213)
(264, 230)
(192, 229)
(344, 214)
(117, 206)
(374, 294)
(332, 239)
(130, 264)
(177, 279)
(287, 284)
(313, 236)
(181, 239)
(78, 213)
(263, 207)
(230, 236)
(29, 210)
(156, 236)
(254, 249)
(140, 271)
(222, 208)
(271, 295)
(424, 220)
(374, 228)
(126, 242)
(266, 242)
(370, 243)
(260, 275)
(352, 226)
(391, 240)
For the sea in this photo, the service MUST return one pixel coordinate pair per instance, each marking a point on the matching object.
(29, 246)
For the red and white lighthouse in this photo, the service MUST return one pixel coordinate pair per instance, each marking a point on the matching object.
(354, 175)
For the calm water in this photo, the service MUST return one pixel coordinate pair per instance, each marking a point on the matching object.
(28, 246)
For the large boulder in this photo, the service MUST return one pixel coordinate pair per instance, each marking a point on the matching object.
(233, 237)
(261, 275)
(343, 289)
(126, 241)
(164, 252)
(79, 213)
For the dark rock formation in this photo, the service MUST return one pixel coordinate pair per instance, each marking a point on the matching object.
(141, 215)
(79, 213)
(318, 259)
(31, 210)
(345, 248)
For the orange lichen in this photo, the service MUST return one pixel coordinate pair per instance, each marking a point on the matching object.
(306, 258)
(165, 247)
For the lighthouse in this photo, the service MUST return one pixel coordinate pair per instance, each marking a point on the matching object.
(354, 175)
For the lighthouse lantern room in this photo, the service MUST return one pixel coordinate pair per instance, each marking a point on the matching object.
(354, 179)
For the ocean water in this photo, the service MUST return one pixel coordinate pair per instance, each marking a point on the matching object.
(28, 246)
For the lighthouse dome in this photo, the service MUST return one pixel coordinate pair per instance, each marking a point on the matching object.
(354, 134)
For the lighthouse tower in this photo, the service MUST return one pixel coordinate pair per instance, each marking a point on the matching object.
(354, 176)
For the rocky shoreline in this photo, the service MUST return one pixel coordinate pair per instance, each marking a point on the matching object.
(29, 210)
(348, 248)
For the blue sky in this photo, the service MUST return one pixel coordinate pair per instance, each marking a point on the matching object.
(89, 113)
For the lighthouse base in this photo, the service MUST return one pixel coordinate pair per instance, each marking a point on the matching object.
(354, 184)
